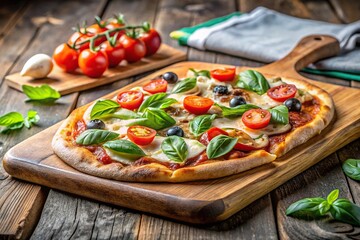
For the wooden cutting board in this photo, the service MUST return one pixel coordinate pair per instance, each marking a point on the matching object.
(202, 201)
(67, 83)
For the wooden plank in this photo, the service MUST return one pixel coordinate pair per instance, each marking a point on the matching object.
(10, 12)
(24, 200)
(347, 10)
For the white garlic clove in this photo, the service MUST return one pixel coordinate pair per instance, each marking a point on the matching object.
(38, 66)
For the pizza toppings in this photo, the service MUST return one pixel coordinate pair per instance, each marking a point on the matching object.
(200, 124)
(210, 134)
(95, 124)
(197, 105)
(95, 136)
(175, 148)
(253, 81)
(256, 118)
(220, 145)
(223, 75)
(130, 99)
(170, 77)
(237, 101)
(156, 86)
(245, 142)
(293, 104)
(175, 131)
(282, 92)
(221, 90)
(141, 135)
(184, 85)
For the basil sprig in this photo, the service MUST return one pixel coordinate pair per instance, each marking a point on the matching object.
(95, 136)
(43, 93)
(175, 148)
(158, 100)
(340, 209)
(125, 148)
(220, 145)
(254, 81)
(204, 73)
(103, 108)
(351, 168)
(156, 119)
(200, 124)
(279, 114)
(14, 120)
(184, 85)
(235, 111)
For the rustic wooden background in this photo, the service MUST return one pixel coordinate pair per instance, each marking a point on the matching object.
(27, 210)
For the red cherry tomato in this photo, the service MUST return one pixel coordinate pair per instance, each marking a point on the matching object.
(93, 64)
(115, 54)
(282, 92)
(134, 48)
(152, 41)
(66, 57)
(141, 135)
(256, 118)
(197, 105)
(130, 99)
(79, 37)
(223, 75)
(115, 24)
(210, 134)
(95, 29)
(156, 86)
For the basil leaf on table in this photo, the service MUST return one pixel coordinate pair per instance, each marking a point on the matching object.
(220, 145)
(14, 120)
(279, 114)
(305, 208)
(152, 99)
(204, 73)
(175, 148)
(345, 211)
(351, 168)
(254, 81)
(31, 118)
(103, 108)
(157, 119)
(11, 118)
(95, 136)
(200, 124)
(235, 111)
(125, 148)
(184, 85)
(43, 93)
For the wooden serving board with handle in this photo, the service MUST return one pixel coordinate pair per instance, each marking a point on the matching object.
(67, 83)
(202, 201)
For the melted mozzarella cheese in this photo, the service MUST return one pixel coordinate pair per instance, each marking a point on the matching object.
(263, 101)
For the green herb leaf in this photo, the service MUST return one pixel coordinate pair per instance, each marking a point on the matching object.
(152, 99)
(332, 196)
(254, 81)
(125, 148)
(351, 168)
(345, 211)
(11, 118)
(165, 103)
(220, 145)
(200, 124)
(204, 73)
(124, 113)
(157, 119)
(305, 208)
(103, 108)
(44, 93)
(95, 136)
(184, 85)
(175, 148)
(279, 114)
(31, 118)
(324, 207)
(235, 111)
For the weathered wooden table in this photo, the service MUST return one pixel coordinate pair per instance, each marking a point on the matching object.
(27, 210)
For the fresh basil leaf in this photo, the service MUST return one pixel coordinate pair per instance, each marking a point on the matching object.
(351, 168)
(235, 111)
(220, 145)
(324, 207)
(152, 99)
(157, 119)
(44, 93)
(305, 208)
(332, 196)
(103, 108)
(31, 118)
(345, 211)
(11, 127)
(167, 102)
(175, 148)
(11, 118)
(125, 148)
(124, 113)
(254, 81)
(184, 85)
(204, 73)
(95, 136)
(200, 124)
(279, 114)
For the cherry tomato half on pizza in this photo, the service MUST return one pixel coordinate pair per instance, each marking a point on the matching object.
(256, 118)
(141, 135)
(282, 92)
(156, 86)
(130, 99)
(223, 74)
(210, 134)
(197, 105)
